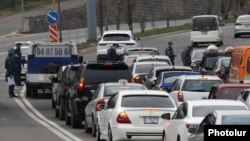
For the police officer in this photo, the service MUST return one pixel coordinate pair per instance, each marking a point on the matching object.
(170, 52)
(112, 54)
(186, 56)
(18, 63)
(10, 67)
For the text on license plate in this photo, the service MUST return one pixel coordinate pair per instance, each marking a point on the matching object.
(150, 120)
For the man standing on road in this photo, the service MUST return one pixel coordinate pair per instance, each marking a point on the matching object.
(112, 54)
(170, 52)
(186, 56)
(10, 68)
(18, 62)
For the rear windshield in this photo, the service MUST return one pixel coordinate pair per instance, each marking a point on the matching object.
(231, 93)
(236, 120)
(204, 24)
(155, 59)
(245, 18)
(116, 37)
(96, 74)
(202, 111)
(149, 101)
(199, 85)
(145, 68)
(110, 90)
(168, 70)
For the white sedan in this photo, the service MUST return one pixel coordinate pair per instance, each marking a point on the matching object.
(134, 113)
(190, 114)
(220, 117)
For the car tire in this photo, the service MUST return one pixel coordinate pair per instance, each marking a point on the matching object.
(86, 128)
(110, 136)
(62, 110)
(93, 128)
(163, 136)
(74, 123)
(98, 133)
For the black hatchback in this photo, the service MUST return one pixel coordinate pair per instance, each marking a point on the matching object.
(85, 82)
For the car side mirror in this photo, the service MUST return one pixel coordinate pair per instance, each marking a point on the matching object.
(80, 59)
(193, 130)
(166, 116)
(66, 81)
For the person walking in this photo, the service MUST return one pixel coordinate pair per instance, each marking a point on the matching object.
(10, 68)
(18, 62)
(186, 56)
(170, 52)
(112, 54)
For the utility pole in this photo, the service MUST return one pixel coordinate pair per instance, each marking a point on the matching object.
(22, 15)
(91, 20)
(59, 22)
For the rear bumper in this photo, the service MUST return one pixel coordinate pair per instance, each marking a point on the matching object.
(122, 132)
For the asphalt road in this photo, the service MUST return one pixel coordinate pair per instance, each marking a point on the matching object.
(33, 119)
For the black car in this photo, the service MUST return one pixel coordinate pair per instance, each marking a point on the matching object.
(61, 87)
(86, 80)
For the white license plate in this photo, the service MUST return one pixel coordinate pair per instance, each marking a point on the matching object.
(150, 120)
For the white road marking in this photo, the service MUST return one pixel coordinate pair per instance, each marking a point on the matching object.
(37, 116)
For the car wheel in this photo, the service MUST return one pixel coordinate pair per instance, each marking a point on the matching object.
(110, 137)
(62, 110)
(93, 128)
(74, 123)
(98, 133)
(86, 128)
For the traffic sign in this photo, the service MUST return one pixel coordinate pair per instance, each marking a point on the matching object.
(53, 33)
(52, 17)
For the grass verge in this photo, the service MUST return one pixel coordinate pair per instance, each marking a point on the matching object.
(81, 46)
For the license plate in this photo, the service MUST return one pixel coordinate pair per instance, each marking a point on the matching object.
(150, 120)
(203, 33)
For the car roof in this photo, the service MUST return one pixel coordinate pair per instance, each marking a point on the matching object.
(153, 56)
(194, 77)
(243, 16)
(231, 112)
(117, 32)
(204, 102)
(143, 92)
(171, 67)
(199, 16)
(228, 85)
(126, 84)
(150, 62)
(141, 48)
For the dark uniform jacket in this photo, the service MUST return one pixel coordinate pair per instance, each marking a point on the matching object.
(186, 58)
(112, 55)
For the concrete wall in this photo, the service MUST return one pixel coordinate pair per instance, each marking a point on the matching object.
(149, 10)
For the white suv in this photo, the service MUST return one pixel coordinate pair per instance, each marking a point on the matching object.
(124, 38)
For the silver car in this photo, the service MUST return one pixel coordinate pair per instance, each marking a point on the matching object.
(100, 98)
(242, 26)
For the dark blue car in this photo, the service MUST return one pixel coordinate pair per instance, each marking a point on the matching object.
(166, 79)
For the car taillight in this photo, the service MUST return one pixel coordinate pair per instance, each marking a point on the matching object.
(100, 105)
(238, 24)
(123, 118)
(180, 96)
(137, 79)
(81, 85)
(31, 56)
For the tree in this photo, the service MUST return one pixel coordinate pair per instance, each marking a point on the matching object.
(118, 7)
(101, 16)
(129, 13)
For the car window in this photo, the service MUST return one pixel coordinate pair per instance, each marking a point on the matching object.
(199, 85)
(204, 23)
(64, 73)
(243, 18)
(208, 120)
(71, 74)
(245, 95)
(176, 85)
(236, 120)
(212, 94)
(112, 102)
(112, 89)
(170, 79)
(60, 73)
(231, 93)
(149, 101)
(78, 75)
(116, 37)
(181, 112)
(97, 92)
(202, 111)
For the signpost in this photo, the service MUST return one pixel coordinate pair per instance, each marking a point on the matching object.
(52, 19)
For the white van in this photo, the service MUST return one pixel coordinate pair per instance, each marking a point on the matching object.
(206, 29)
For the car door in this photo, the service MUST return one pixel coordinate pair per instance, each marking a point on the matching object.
(175, 89)
(106, 113)
(173, 130)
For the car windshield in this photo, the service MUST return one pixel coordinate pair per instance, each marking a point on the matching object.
(170, 79)
(116, 37)
(204, 23)
(197, 55)
(110, 90)
(199, 85)
(236, 120)
(232, 92)
(147, 101)
(145, 68)
(202, 111)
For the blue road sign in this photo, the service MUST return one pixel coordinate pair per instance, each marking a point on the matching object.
(52, 17)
